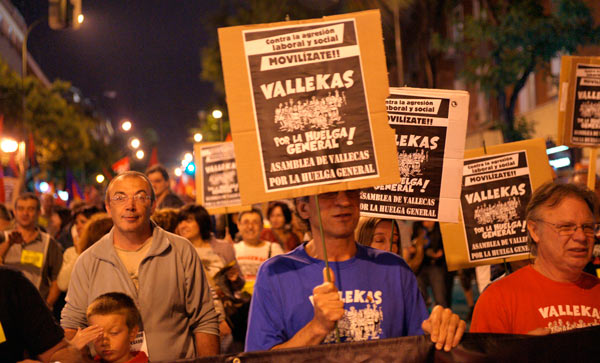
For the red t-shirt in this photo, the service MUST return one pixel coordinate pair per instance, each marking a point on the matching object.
(526, 300)
(139, 357)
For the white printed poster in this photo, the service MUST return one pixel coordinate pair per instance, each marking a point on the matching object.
(430, 129)
(312, 117)
(496, 190)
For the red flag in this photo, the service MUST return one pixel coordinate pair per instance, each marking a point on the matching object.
(12, 163)
(31, 151)
(2, 192)
(153, 157)
(121, 165)
(107, 173)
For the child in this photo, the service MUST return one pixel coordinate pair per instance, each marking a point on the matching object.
(119, 319)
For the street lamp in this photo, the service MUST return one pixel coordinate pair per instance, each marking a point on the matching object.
(177, 172)
(126, 125)
(139, 154)
(188, 157)
(9, 145)
(219, 116)
(197, 137)
(99, 178)
(80, 18)
(135, 143)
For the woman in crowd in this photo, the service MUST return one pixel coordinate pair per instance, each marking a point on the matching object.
(97, 226)
(280, 217)
(60, 217)
(218, 260)
(166, 218)
(71, 232)
(376, 232)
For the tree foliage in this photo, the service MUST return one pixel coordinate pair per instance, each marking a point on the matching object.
(60, 129)
(511, 39)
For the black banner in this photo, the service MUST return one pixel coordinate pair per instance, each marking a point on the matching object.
(495, 193)
(580, 345)
(310, 104)
(586, 110)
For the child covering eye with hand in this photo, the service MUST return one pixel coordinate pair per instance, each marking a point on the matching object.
(116, 320)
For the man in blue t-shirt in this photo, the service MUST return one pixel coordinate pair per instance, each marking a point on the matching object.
(373, 294)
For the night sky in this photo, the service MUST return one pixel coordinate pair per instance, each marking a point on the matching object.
(147, 51)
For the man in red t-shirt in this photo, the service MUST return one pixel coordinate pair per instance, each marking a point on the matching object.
(553, 294)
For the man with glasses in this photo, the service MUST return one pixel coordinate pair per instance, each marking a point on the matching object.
(553, 294)
(373, 294)
(159, 270)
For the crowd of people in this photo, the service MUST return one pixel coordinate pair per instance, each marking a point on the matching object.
(144, 275)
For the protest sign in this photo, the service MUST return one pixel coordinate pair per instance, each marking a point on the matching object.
(497, 185)
(217, 187)
(579, 102)
(430, 127)
(307, 107)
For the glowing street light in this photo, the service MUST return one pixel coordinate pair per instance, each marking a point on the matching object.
(126, 125)
(190, 168)
(139, 154)
(177, 171)
(63, 195)
(197, 137)
(217, 114)
(44, 187)
(80, 18)
(99, 178)
(188, 157)
(9, 145)
(134, 143)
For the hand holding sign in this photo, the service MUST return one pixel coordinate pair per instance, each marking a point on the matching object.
(328, 306)
(445, 327)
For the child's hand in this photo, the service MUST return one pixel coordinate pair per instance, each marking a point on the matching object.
(85, 336)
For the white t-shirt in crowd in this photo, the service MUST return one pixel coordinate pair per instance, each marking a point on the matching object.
(250, 257)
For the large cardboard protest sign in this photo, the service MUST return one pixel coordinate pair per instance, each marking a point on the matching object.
(217, 187)
(307, 106)
(430, 127)
(579, 102)
(497, 185)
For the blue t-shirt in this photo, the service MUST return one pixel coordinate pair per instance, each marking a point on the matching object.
(380, 294)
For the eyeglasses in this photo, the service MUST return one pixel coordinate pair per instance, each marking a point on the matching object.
(122, 198)
(568, 229)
